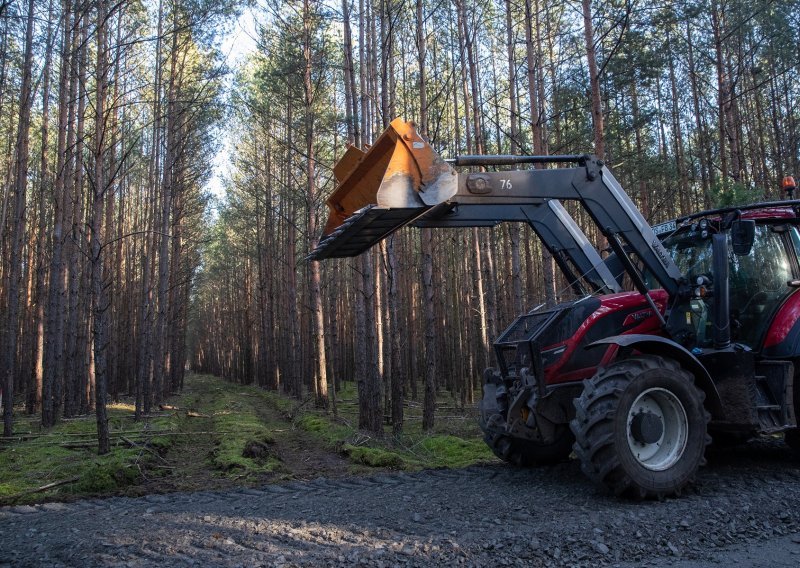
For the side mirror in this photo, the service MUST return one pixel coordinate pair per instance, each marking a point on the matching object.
(743, 233)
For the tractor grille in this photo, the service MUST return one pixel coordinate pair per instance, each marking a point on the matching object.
(512, 358)
(519, 344)
(513, 348)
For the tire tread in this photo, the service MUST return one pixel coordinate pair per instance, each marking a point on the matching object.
(593, 425)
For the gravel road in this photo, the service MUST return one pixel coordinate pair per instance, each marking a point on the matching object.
(745, 509)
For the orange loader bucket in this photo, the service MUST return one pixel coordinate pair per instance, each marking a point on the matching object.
(382, 189)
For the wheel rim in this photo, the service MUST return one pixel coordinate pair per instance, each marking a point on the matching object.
(656, 449)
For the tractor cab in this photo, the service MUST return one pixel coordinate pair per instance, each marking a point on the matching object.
(762, 268)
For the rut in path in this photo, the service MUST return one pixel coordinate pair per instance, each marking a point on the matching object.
(188, 459)
(303, 456)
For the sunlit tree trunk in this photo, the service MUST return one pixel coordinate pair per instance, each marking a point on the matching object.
(318, 320)
(100, 283)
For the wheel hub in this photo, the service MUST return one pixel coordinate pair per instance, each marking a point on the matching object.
(657, 429)
(647, 428)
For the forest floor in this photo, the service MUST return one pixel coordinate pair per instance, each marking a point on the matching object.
(233, 476)
(744, 510)
(217, 435)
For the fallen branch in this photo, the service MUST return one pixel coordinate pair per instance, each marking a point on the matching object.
(12, 498)
(292, 414)
(144, 447)
(78, 445)
(24, 437)
(47, 440)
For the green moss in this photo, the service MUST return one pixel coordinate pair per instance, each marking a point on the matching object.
(323, 428)
(229, 455)
(311, 423)
(97, 481)
(32, 464)
(235, 416)
(282, 403)
(374, 457)
(236, 419)
(161, 443)
(29, 464)
(347, 391)
(110, 473)
(451, 451)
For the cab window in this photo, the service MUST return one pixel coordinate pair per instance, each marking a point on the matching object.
(758, 284)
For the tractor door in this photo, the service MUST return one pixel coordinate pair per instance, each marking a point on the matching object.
(759, 282)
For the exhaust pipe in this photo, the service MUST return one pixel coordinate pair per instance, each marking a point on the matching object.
(722, 311)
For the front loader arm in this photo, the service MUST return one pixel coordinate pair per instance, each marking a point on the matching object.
(592, 185)
(556, 229)
(400, 180)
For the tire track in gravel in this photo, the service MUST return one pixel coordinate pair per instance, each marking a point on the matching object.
(482, 516)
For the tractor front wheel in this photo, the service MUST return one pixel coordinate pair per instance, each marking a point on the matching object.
(528, 453)
(522, 452)
(640, 427)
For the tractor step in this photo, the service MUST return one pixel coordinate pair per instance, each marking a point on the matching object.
(773, 382)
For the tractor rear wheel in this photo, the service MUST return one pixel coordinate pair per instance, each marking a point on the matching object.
(641, 428)
(792, 438)
(527, 453)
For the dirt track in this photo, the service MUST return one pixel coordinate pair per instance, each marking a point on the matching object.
(746, 508)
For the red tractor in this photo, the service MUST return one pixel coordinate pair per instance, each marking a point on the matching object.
(637, 383)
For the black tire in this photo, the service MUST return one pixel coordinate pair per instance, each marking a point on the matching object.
(606, 435)
(722, 440)
(792, 439)
(527, 453)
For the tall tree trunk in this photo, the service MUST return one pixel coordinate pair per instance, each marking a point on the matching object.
(18, 229)
(315, 279)
(677, 133)
(426, 236)
(535, 84)
(397, 373)
(351, 109)
(594, 80)
(101, 310)
(35, 393)
(704, 152)
(54, 337)
(167, 198)
(144, 375)
(75, 371)
(723, 93)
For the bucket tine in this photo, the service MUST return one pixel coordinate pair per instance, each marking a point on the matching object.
(381, 189)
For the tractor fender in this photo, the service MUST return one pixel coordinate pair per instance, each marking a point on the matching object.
(655, 345)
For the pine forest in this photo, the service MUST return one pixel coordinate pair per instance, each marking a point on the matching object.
(123, 268)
